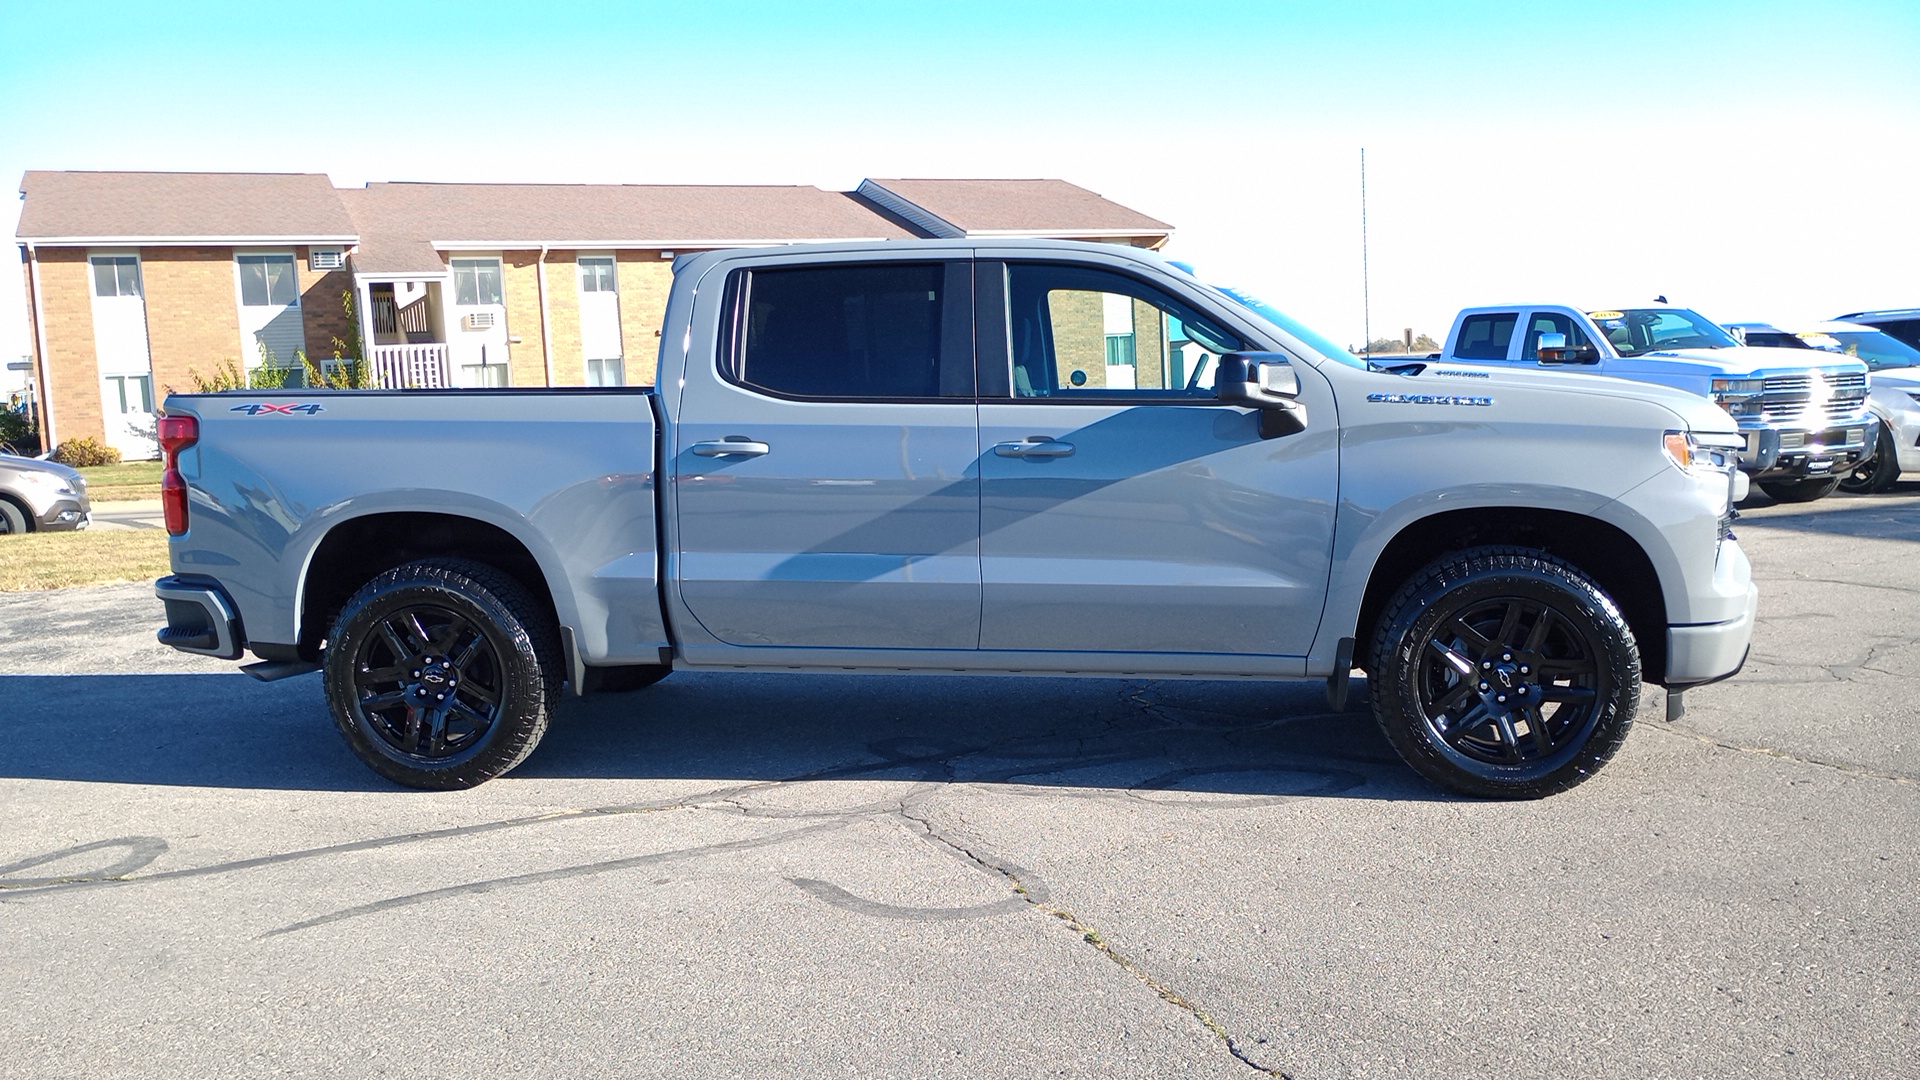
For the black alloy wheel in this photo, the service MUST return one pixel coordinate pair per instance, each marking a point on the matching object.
(1877, 473)
(442, 673)
(1504, 672)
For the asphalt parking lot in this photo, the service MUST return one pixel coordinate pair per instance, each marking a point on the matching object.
(871, 876)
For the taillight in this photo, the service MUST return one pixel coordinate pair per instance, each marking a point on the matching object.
(176, 434)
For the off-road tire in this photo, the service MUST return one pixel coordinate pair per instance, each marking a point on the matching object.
(1877, 473)
(1473, 608)
(1799, 491)
(480, 625)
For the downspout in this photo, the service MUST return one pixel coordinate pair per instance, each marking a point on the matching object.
(43, 365)
(546, 325)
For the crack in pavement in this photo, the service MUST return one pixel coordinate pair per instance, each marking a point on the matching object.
(1782, 755)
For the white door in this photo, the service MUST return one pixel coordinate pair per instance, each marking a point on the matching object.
(271, 333)
(477, 340)
(600, 321)
(120, 344)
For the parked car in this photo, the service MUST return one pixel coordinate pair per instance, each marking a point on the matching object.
(1764, 336)
(940, 457)
(1804, 416)
(40, 495)
(1895, 399)
(1902, 324)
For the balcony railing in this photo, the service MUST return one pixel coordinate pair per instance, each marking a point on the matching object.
(400, 367)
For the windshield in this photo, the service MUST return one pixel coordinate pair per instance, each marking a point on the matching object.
(1635, 331)
(1273, 315)
(1877, 349)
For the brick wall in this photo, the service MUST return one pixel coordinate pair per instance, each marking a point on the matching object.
(1079, 336)
(527, 360)
(563, 314)
(193, 318)
(323, 310)
(645, 279)
(71, 365)
(1149, 347)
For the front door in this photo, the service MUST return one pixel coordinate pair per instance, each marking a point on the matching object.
(120, 345)
(825, 479)
(1135, 514)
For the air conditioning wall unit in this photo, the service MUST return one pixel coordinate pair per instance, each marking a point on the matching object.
(326, 259)
(479, 320)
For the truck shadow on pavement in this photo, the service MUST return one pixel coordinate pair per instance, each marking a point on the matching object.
(1173, 739)
(1890, 515)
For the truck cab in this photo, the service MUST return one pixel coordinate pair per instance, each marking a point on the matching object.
(1803, 416)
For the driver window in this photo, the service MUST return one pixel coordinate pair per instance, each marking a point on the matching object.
(1549, 322)
(1082, 332)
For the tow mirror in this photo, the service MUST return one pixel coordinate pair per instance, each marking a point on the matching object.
(1264, 381)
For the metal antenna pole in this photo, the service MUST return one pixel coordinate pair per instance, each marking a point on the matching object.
(1366, 295)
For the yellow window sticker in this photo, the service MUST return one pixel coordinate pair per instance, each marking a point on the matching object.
(1596, 316)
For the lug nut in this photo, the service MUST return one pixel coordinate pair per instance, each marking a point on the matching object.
(1483, 686)
(439, 697)
(1485, 665)
(1506, 656)
(1502, 699)
(1524, 669)
(416, 673)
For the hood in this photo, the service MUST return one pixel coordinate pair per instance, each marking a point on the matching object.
(9, 463)
(1745, 361)
(1900, 378)
(1696, 412)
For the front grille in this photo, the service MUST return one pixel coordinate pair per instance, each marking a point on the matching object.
(1789, 397)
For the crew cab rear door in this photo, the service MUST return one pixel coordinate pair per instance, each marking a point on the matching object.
(1124, 509)
(823, 462)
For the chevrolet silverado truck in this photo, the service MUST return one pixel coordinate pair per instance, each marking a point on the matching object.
(1803, 417)
(940, 457)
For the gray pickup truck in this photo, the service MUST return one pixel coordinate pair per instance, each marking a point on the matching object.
(952, 457)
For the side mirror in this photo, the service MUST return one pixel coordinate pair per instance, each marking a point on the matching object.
(1264, 381)
(1553, 349)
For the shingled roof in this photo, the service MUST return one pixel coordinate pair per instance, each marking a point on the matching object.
(1009, 208)
(200, 207)
(401, 224)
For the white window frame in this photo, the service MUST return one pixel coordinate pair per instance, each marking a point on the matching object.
(499, 266)
(139, 273)
(239, 292)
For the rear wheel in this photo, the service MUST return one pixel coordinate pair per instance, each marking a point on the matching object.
(13, 520)
(1504, 672)
(1877, 473)
(1799, 491)
(443, 673)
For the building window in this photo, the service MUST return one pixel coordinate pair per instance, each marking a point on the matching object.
(116, 275)
(607, 372)
(476, 281)
(596, 275)
(268, 281)
(135, 392)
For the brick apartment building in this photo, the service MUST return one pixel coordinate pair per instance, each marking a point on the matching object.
(138, 281)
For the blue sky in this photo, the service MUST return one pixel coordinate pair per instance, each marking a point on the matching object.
(1757, 161)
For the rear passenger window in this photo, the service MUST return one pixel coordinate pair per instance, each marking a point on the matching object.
(1485, 337)
(852, 332)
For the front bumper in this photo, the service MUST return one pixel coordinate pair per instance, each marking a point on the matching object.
(200, 618)
(1795, 453)
(1709, 653)
(65, 514)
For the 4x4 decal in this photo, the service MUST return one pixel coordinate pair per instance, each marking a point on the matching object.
(262, 408)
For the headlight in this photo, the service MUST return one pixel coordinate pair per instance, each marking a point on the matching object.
(47, 480)
(1740, 397)
(1713, 451)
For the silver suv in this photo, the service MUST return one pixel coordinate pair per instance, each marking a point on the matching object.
(37, 495)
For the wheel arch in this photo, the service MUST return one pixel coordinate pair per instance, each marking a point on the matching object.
(26, 512)
(355, 550)
(1601, 550)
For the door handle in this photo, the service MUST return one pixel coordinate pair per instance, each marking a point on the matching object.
(1038, 446)
(731, 448)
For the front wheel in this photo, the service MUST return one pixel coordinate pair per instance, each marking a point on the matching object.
(1504, 672)
(1799, 491)
(13, 520)
(443, 673)
(1877, 473)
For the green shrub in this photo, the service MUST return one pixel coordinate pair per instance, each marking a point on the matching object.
(87, 452)
(18, 432)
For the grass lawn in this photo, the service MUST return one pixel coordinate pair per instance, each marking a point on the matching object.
(127, 480)
(63, 560)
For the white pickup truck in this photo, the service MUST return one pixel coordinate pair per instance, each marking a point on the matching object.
(943, 457)
(1803, 416)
